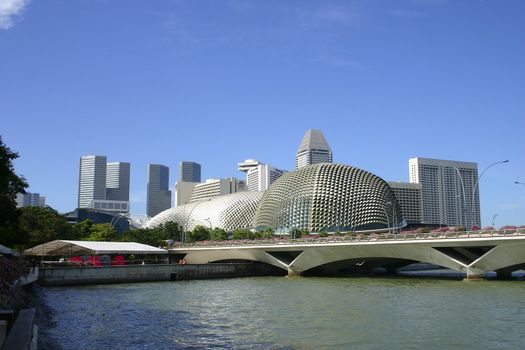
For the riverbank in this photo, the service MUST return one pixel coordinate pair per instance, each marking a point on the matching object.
(86, 275)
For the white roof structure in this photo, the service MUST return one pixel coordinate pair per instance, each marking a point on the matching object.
(60, 247)
(228, 212)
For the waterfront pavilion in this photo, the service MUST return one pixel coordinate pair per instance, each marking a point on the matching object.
(71, 248)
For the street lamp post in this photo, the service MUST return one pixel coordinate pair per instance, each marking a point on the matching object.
(477, 184)
(493, 218)
(519, 183)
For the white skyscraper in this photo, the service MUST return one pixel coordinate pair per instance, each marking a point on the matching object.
(159, 195)
(259, 176)
(102, 185)
(91, 180)
(448, 191)
(117, 181)
(313, 149)
(217, 187)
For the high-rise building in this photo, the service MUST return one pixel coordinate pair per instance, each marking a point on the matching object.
(117, 181)
(313, 149)
(91, 180)
(189, 172)
(102, 185)
(410, 199)
(159, 195)
(29, 199)
(183, 192)
(450, 196)
(217, 187)
(259, 176)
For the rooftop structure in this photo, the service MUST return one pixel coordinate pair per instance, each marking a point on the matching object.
(313, 149)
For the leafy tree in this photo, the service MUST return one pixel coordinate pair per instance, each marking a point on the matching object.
(171, 230)
(10, 185)
(155, 236)
(242, 233)
(298, 233)
(218, 234)
(102, 232)
(199, 233)
(268, 233)
(82, 229)
(40, 225)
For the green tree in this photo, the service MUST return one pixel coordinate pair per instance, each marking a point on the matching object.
(267, 233)
(218, 234)
(199, 233)
(82, 229)
(10, 185)
(102, 232)
(171, 230)
(242, 233)
(40, 225)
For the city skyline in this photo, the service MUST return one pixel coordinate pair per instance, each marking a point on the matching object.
(385, 82)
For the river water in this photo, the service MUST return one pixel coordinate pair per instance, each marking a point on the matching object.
(288, 313)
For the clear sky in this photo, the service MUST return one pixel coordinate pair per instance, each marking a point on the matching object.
(218, 82)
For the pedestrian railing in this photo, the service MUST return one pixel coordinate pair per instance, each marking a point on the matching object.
(357, 237)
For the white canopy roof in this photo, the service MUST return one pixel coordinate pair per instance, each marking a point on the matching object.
(60, 247)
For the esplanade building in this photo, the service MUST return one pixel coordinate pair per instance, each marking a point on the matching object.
(320, 197)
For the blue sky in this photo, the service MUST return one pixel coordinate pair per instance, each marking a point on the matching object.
(220, 81)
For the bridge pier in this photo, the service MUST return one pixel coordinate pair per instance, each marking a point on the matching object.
(474, 277)
(292, 273)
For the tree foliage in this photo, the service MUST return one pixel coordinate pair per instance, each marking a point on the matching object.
(102, 232)
(156, 236)
(10, 185)
(199, 233)
(218, 234)
(38, 225)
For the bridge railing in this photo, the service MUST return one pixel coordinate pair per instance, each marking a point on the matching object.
(357, 237)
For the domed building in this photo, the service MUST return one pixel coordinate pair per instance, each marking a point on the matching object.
(328, 197)
(236, 210)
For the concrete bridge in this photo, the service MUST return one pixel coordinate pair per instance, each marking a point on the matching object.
(473, 253)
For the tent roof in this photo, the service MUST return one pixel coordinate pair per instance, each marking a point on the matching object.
(60, 247)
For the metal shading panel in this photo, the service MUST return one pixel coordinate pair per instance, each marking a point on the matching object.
(331, 197)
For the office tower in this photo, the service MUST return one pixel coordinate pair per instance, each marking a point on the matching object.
(103, 186)
(259, 176)
(410, 199)
(313, 149)
(91, 180)
(29, 199)
(217, 187)
(117, 181)
(449, 188)
(183, 191)
(189, 172)
(159, 195)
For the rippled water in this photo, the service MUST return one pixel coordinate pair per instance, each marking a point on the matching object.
(290, 313)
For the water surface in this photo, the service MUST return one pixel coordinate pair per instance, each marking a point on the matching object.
(290, 313)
